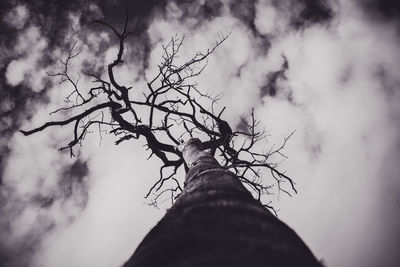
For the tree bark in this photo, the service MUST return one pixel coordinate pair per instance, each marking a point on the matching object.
(216, 222)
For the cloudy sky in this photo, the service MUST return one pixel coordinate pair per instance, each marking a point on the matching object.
(327, 69)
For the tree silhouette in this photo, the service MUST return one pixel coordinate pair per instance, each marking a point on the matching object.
(184, 128)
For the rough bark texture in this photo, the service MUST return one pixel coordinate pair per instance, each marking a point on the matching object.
(216, 222)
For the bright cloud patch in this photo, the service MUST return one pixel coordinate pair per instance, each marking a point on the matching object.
(17, 17)
(26, 69)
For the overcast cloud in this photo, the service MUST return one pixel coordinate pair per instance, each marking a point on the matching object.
(327, 69)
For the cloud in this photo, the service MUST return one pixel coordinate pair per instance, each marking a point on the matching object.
(348, 122)
(383, 10)
(308, 12)
(35, 199)
(266, 17)
(326, 70)
(107, 238)
(330, 91)
(193, 14)
(244, 11)
(17, 17)
(273, 78)
(29, 48)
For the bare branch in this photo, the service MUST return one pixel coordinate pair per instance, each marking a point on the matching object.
(174, 108)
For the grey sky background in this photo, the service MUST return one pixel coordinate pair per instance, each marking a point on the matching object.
(327, 69)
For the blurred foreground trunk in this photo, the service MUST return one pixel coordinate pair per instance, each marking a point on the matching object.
(216, 222)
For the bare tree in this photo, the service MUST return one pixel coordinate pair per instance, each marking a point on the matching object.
(184, 128)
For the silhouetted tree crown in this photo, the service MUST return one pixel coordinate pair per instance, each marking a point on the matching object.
(171, 111)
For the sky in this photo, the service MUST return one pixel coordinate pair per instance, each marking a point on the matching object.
(328, 70)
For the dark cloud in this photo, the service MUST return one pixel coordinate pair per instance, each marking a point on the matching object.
(301, 14)
(74, 182)
(53, 16)
(18, 255)
(246, 12)
(72, 187)
(347, 74)
(272, 79)
(382, 10)
(312, 12)
(53, 20)
(18, 250)
(15, 250)
(304, 13)
(388, 79)
(15, 105)
(199, 12)
(6, 32)
(243, 125)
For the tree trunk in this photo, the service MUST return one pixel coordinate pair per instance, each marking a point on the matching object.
(216, 222)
